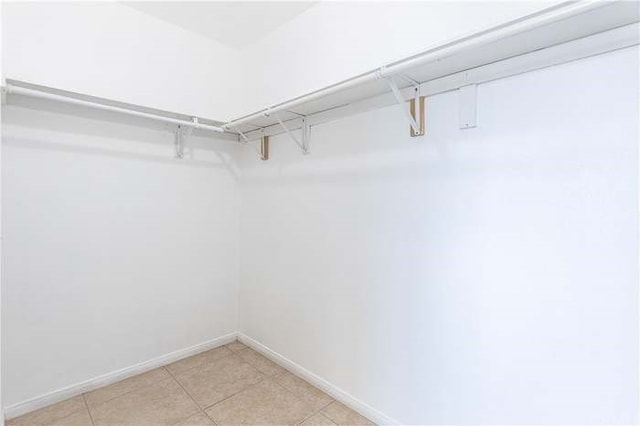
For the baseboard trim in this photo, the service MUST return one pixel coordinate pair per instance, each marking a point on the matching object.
(47, 399)
(340, 395)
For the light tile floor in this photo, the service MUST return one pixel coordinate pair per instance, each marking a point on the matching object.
(228, 385)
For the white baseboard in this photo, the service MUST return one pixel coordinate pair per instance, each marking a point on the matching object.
(45, 400)
(340, 395)
(38, 402)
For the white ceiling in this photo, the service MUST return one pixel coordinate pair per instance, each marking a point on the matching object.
(236, 24)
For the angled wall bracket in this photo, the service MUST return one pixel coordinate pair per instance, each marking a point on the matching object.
(304, 143)
(415, 113)
(263, 153)
(417, 110)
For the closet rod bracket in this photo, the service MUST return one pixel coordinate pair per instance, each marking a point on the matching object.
(263, 153)
(303, 143)
(416, 112)
(4, 91)
(182, 134)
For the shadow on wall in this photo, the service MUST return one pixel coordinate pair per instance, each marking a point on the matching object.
(341, 151)
(71, 128)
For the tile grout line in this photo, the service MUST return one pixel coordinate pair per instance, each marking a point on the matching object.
(190, 397)
(201, 409)
(238, 350)
(127, 392)
(196, 366)
(313, 413)
(163, 367)
(316, 411)
(84, 398)
(241, 390)
(265, 378)
(235, 393)
(295, 396)
(250, 362)
(60, 418)
(273, 379)
(320, 411)
(233, 353)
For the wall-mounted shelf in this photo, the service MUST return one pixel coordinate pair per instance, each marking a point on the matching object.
(558, 34)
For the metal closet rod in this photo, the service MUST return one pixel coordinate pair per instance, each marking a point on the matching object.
(554, 13)
(11, 89)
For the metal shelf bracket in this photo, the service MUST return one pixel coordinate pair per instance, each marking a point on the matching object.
(263, 153)
(416, 110)
(264, 147)
(304, 142)
(306, 136)
(417, 102)
(3, 91)
(182, 135)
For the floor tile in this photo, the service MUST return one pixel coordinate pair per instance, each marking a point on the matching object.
(81, 418)
(342, 415)
(236, 346)
(162, 403)
(200, 419)
(263, 404)
(51, 414)
(317, 420)
(218, 380)
(303, 390)
(199, 359)
(266, 366)
(107, 393)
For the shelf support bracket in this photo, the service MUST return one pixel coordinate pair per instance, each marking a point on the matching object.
(263, 153)
(306, 135)
(3, 91)
(304, 143)
(416, 109)
(178, 146)
(264, 147)
(182, 134)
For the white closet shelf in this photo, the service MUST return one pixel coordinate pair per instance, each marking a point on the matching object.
(560, 27)
(17, 87)
(558, 34)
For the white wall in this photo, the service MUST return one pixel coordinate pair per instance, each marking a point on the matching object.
(109, 50)
(144, 60)
(482, 262)
(1, 110)
(333, 41)
(114, 253)
(484, 276)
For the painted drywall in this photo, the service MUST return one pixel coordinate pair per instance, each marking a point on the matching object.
(333, 41)
(479, 276)
(1, 110)
(144, 60)
(114, 252)
(109, 50)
